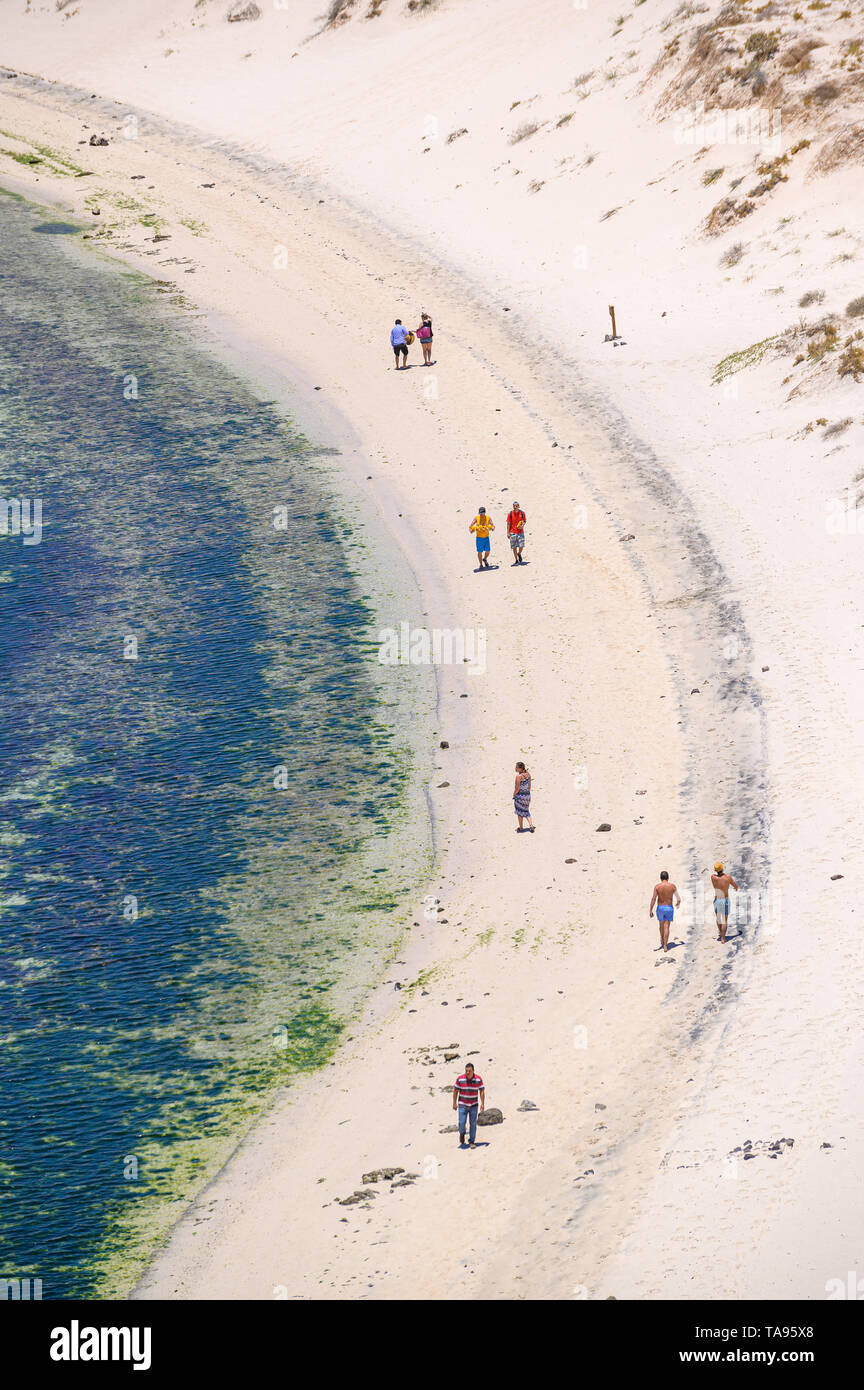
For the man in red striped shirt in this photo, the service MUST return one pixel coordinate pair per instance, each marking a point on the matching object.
(516, 519)
(467, 1091)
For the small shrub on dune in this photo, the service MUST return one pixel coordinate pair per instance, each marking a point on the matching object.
(818, 348)
(726, 213)
(762, 45)
(524, 132)
(733, 255)
(711, 176)
(729, 15)
(758, 81)
(811, 297)
(851, 363)
(338, 12)
(855, 308)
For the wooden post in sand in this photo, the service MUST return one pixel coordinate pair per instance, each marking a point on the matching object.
(612, 315)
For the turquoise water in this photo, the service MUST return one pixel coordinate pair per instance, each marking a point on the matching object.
(177, 933)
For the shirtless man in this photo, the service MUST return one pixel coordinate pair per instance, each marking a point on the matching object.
(663, 894)
(722, 882)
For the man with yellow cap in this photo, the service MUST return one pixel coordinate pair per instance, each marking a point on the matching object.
(722, 882)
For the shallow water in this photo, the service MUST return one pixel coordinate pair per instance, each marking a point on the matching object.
(177, 934)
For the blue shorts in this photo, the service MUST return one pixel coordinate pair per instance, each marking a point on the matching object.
(721, 907)
(664, 912)
(482, 544)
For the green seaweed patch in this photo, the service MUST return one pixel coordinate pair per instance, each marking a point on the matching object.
(424, 978)
(28, 159)
(64, 165)
(41, 154)
(746, 357)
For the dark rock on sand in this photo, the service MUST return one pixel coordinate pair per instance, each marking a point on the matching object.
(604, 825)
(382, 1174)
(490, 1117)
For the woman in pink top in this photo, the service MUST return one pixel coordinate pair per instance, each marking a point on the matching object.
(424, 335)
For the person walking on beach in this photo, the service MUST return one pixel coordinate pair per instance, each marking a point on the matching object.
(722, 883)
(516, 531)
(468, 1092)
(663, 895)
(522, 797)
(399, 343)
(481, 526)
(424, 333)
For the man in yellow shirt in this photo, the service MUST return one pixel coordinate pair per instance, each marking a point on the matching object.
(481, 526)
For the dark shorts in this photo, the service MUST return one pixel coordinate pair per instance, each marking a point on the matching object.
(664, 912)
(400, 347)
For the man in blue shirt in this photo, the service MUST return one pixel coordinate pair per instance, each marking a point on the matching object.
(398, 337)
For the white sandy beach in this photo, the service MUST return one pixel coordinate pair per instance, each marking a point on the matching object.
(681, 658)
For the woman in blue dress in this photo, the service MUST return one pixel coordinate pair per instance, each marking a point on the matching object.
(522, 797)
